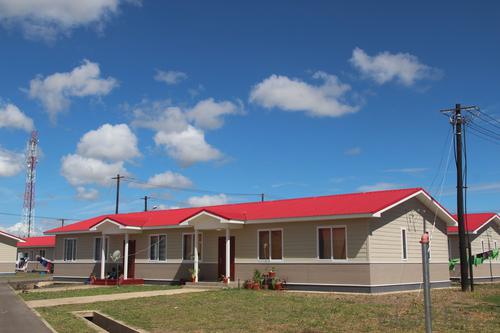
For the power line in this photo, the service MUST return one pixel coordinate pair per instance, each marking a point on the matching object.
(40, 217)
(483, 136)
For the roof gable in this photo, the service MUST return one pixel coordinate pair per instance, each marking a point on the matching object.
(6, 234)
(475, 222)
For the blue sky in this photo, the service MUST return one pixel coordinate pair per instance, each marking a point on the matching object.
(289, 98)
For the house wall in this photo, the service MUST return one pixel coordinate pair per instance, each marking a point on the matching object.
(8, 251)
(385, 245)
(490, 232)
(373, 253)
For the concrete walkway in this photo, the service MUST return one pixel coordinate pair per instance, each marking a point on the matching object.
(106, 298)
(15, 316)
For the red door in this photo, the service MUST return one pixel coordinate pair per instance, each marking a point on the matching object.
(222, 257)
(131, 258)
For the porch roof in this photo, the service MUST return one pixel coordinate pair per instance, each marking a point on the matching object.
(39, 241)
(366, 204)
(475, 221)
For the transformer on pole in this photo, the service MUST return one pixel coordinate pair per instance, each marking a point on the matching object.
(29, 190)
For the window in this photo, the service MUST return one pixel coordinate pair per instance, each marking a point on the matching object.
(188, 246)
(496, 245)
(270, 244)
(482, 245)
(158, 248)
(69, 249)
(404, 249)
(98, 250)
(41, 253)
(332, 243)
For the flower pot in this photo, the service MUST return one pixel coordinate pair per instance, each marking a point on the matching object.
(193, 279)
(256, 286)
(272, 274)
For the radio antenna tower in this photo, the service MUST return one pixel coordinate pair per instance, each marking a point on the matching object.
(29, 191)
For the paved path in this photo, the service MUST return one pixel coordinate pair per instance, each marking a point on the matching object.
(15, 316)
(105, 298)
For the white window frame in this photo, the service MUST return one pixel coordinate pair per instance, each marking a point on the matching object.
(200, 258)
(404, 249)
(331, 227)
(106, 250)
(151, 244)
(271, 245)
(75, 250)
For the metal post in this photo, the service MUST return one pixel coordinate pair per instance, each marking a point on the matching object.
(427, 288)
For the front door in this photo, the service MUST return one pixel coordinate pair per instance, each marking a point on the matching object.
(131, 258)
(222, 257)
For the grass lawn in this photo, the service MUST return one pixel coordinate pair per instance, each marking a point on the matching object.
(267, 311)
(20, 276)
(91, 291)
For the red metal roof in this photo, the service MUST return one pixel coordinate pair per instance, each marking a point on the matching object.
(331, 205)
(474, 221)
(41, 241)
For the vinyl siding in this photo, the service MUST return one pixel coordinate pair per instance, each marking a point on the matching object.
(8, 249)
(385, 234)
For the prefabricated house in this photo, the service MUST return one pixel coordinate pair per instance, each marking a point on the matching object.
(32, 247)
(8, 250)
(359, 242)
(483, 229)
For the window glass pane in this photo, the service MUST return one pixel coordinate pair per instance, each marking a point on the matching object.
(276, 251)
(325, 243)
(97, 249)
(403, 239)
(188, 247)
(339, 246)
(263, 244)
(73, 257)
(42, 253)
(154, 248)
(200, 246)
(162, 247)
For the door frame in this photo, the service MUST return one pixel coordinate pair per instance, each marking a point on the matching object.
(221, 257)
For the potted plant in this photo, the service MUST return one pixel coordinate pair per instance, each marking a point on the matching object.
(193, 273)
(257, 279)
(249, 284)
(225, 279)
(272, 272)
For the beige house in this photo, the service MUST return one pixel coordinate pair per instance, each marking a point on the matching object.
(361, 242)
(484, 232)
(8, 250)
(32, 247)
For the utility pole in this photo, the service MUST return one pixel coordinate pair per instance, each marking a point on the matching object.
(62, 223)
(457, 122)
(118, 177)
(145, 198)
(262, 197)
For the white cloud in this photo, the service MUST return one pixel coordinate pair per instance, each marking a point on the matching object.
(208, 200)
(188, 146)
(384, 67)
(378, 187)
(108, 142)
(166, 179)
(170, 77)
(47, 19)
(55, 91)
(353, 151)
(21, 230)
(79, 170)
(208, 114)
(12, 117)
(180, 131)
(83, 193)
(294, 95)
(11, 163)
(169, 119)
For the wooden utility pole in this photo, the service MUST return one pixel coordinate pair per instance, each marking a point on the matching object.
(117, 178)
(457, 121)
(145, 198)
